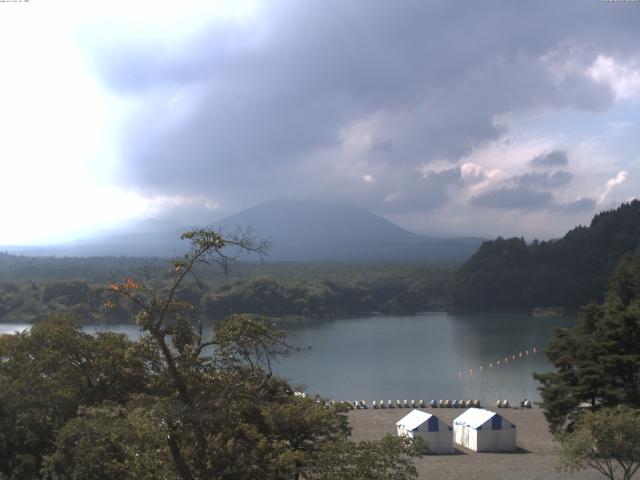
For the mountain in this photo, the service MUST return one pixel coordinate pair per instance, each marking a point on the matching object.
(298, 230)
(569, 272)
(304, 230)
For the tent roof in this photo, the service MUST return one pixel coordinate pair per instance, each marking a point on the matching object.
(414, 419)
(474, 417)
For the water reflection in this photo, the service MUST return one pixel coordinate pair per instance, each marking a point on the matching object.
(427, 356)
(421, 357)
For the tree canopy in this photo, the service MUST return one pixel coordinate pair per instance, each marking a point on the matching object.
(570, 271)
(607, 441)
(597, 362)
(174, 404)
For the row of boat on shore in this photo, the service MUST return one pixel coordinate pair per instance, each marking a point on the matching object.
(362, 405)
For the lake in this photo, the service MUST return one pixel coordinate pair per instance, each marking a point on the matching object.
(427, 356)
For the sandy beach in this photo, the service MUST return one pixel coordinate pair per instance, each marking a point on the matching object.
(535, 459)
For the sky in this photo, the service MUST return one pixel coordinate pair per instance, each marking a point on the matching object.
(478, 118)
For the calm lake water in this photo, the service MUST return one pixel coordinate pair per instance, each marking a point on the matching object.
(427, 356)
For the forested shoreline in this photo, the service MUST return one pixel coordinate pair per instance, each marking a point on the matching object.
(300, 291)
(503, 275)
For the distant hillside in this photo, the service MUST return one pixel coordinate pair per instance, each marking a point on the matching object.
(302, 230)
(571, 271)
(299, 231)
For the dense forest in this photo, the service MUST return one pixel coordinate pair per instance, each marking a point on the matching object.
(571, 271)
(306, 290)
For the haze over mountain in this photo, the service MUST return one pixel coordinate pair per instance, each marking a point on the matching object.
(298, 230)
(301, 230)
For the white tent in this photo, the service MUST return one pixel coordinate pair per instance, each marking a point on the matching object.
(437, 435)
(484, 431)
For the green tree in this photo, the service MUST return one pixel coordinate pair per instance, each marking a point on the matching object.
(47, 373)
(388, 459)
(597, 362)
(110, 442)
(224, 413)
(174, 404)
(607, 440)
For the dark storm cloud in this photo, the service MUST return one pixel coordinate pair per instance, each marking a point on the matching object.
(420, 193)
(557, 158)
(520, 198)
(543, 180)
(234, 110)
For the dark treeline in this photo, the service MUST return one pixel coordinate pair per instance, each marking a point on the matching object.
(283, 291)
(569, 272)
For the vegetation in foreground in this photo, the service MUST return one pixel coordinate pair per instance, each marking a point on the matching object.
(592, 400)
(607, 440)
(173, 405)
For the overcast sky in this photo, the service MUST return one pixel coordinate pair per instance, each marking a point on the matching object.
(453, 118)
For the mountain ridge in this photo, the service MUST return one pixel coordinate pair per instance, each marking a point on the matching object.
(299, 230)
(569, 272)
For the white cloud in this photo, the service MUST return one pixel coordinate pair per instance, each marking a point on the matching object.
(611, 184)
(623, 79)
(472, 172)
(435, 167)
(368, 178)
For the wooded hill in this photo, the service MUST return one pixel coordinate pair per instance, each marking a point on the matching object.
(571, 271)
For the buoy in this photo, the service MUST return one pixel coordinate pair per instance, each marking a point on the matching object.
(422, 404)
(406, 404)
(434, 404)
(356, 404)
(447, 403)
(455, 404)
(398, 404)
(382, 404)
(374, 404)
(440, 403)
(499, 404)
(527, 404)
(476, 403)
(505, 404)
(413, 404)
(463, 403)
(390, 404)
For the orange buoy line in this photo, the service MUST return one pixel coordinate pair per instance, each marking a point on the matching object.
(505, 360)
